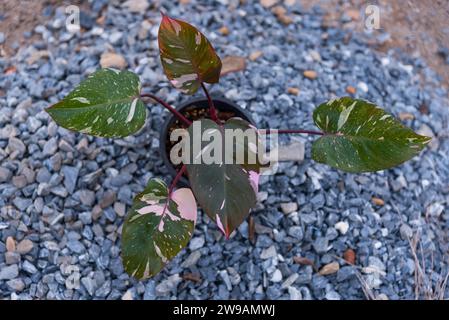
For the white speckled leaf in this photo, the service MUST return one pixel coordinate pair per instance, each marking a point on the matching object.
(154, 233)
(106, 104)
(360, 137)
(187, 56)
(226, 192)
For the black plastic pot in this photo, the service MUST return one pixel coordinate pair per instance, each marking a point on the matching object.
(221, 104)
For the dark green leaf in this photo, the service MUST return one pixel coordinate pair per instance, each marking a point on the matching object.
(187, 56)
(106, 104)
(153, 233)
(359, 137)
(226, 191)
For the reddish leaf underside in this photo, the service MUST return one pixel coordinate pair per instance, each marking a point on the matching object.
(187, 56)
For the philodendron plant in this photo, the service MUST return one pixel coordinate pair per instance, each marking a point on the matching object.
(355, 136)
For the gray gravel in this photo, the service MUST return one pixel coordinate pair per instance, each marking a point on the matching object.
(63, 195)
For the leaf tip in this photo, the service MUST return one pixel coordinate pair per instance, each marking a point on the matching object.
(49, 109)
(165, 18)
(227, 232)
(426, 139)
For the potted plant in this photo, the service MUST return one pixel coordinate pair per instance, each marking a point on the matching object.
(222, 170)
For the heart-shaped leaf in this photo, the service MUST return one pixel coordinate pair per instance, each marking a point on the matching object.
(187, 56)
(154, 232)
(225, 190)
(360, 137)
(106, 104)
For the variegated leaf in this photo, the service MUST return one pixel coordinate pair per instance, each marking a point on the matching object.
(154, 232)
(187, 56)
(106, 104)
(247, 143)
(359, 137)
(226, 191)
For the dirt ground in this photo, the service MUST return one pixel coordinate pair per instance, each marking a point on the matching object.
(419, 27)
(16, 17)
(19, 16)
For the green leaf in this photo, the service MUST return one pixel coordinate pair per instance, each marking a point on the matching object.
(106, 104)
(226, 191)
(360, 137)
(187, 56)
(154, 232)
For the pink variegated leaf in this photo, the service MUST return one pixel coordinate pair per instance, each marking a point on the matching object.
(254, 180)
(187, 56)
(154, 232)
(225, 189)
